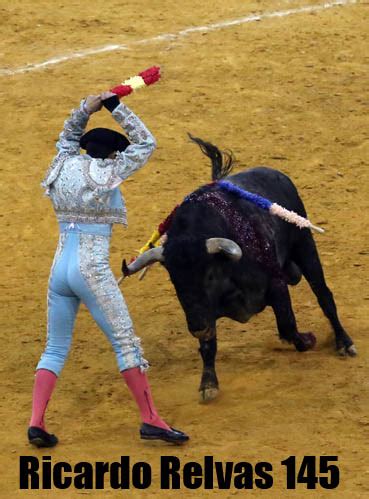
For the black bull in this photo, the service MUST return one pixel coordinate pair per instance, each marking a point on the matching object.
(229, 258)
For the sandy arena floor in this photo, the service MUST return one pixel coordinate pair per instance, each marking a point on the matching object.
(290, 92)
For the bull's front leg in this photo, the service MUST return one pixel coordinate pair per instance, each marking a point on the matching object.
(209, 387)
(279, 299)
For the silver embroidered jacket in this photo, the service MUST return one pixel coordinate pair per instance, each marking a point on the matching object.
(84, 189)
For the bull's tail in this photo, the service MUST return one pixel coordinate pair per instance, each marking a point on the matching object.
(221, 161)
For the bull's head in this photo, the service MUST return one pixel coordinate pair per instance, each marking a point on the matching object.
(197, 271)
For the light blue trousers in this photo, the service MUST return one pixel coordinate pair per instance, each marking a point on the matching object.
(81, 272)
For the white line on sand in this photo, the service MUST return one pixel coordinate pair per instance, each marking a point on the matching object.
(173, 36)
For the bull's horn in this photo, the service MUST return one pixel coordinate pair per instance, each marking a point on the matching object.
(222, 245)
(151, 256)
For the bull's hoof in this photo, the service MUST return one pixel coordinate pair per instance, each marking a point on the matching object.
(305, 341)
(347, 351)
(208, 394)
(352, 351)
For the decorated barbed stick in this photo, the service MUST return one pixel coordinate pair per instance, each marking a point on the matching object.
(143, 79)
(158, 237)
(273, 208)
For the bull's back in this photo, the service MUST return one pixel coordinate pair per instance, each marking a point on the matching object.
(271, 184)
(278, 188)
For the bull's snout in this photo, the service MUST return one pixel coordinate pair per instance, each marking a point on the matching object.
(204, 335)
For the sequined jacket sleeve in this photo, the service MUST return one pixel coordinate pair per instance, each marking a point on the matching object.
(74, 128)
(67, 145)
(139, 151)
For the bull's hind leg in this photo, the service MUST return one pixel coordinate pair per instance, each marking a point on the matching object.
(209, 386)
(307, 258)
(278, 297)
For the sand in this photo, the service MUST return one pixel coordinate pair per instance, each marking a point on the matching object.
(286, 92)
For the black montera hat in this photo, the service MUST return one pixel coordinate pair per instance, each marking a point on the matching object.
(100, 142)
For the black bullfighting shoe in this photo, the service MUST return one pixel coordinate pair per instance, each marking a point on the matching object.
(41, 438)
(149, 432)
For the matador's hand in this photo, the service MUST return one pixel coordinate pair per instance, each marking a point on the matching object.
(107, 95)
(93, 103)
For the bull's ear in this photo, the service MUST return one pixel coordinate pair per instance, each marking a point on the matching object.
(226, 246)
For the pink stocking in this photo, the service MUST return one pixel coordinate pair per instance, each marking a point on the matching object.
(44, 385)
(138, 384)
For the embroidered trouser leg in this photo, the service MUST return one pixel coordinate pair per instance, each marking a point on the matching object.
(81, 272)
